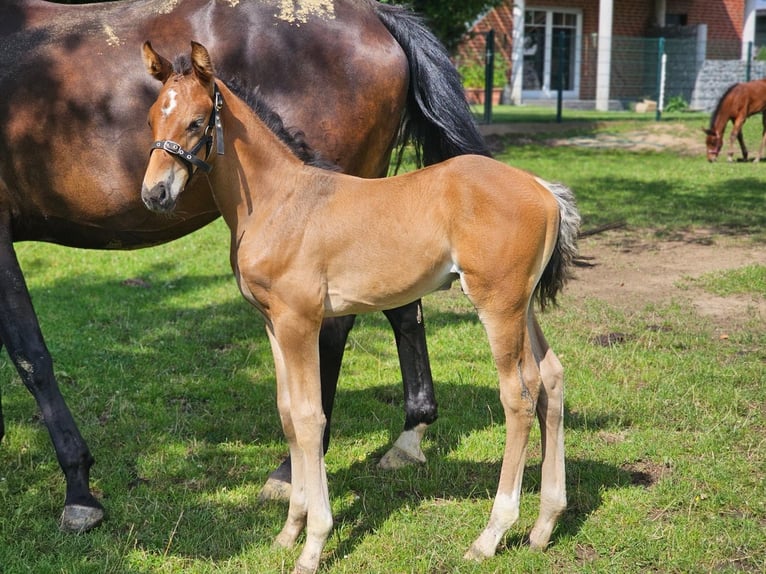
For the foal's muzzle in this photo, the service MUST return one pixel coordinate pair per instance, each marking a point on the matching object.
(159, 198)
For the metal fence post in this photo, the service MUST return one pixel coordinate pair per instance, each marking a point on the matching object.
(489, 76)
(660, 75)
(749, 64)
(560, 94)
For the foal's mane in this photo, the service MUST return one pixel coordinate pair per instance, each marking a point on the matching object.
(719, 104)
(293, 138)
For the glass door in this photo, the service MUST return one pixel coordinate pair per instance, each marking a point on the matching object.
(551, 52)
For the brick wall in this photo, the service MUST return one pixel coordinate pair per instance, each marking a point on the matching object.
(632, 18)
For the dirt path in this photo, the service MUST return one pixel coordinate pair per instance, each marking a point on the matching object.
(630, 270)
(657, 136)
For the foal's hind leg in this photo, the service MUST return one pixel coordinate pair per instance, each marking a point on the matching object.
(550, 413)
(519, 387)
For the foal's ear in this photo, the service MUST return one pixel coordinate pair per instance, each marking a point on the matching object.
(157, 66)
(201, 63)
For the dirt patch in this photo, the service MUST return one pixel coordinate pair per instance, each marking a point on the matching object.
(630, 270)
(665, 136)
(655, 136)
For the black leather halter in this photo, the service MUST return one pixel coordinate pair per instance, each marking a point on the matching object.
(189, 158)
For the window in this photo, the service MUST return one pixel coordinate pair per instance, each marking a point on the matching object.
(675, 19)
(551, 51)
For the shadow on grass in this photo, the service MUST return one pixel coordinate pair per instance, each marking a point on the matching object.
(732, 206)
(148, 368)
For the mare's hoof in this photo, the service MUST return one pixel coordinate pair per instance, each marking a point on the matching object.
(79, 518)
(275, 489)
(399, 458)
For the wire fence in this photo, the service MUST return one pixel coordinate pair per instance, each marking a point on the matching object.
(686, 71)
(691, 73)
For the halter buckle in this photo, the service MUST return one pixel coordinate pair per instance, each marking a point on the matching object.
(171, 146)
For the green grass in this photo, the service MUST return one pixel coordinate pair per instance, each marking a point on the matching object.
(170, 379)
(750, 279)
(547, 114)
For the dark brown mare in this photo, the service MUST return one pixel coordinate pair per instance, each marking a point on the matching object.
(73, 101)
(738, 103)
(503, 233)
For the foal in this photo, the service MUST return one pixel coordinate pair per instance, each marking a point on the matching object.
(738, 103)
(505, 234)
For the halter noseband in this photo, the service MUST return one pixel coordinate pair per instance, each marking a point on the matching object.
(189, 158)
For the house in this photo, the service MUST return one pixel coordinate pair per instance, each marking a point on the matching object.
(604, 51)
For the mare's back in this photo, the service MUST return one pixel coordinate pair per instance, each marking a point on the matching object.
(74, 97)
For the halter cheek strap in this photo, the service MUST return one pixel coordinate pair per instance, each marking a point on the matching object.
(189, 158)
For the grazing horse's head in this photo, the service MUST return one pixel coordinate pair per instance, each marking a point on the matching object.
(713, 142)
(182, 119)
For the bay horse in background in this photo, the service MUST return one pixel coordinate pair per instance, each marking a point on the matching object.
(506, 235)
(739, 102)
(353, 74)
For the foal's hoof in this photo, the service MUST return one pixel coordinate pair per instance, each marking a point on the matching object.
(275, 489)
(79, 518)
(474, 554)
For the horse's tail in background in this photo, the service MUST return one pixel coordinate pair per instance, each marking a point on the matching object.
(438, 120)
(559, 268)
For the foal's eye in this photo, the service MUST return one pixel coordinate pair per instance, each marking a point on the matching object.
(195, 124)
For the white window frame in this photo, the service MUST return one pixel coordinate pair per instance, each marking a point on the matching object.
(546, 92)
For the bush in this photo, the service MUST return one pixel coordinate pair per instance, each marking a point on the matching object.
(676, 104)
(473, 74)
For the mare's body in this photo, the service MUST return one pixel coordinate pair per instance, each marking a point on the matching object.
(73, 101)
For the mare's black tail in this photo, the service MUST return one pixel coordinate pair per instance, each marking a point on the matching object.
(438, 121)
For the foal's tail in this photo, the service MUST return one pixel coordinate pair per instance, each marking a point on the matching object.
(438, 120)
(559, 267)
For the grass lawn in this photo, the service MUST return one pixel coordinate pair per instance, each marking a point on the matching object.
(169, 375)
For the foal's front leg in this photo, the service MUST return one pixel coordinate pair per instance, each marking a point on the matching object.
(294, 340)
(736, 132)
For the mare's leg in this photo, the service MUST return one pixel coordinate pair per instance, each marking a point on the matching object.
(295, 345)
(332, 343)
(550, 413)
(419, 400)
(2, 420)
(20, 332)
(519, 387)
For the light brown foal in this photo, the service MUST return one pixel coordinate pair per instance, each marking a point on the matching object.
(308, 243)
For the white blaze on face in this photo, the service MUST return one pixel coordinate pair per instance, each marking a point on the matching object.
(170, 103)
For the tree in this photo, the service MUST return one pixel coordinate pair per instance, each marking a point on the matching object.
(449, 19)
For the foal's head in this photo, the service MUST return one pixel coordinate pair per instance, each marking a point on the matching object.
(181, 120)
(713, 143)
